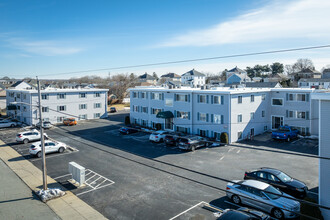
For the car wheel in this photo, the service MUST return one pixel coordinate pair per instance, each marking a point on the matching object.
(61, 150)
(25, 141)
(127, 132)
(193, 148)
(161, 140)
(288, 139)
(12, 125)
(39, 154)
(236, 199)
(277, 213)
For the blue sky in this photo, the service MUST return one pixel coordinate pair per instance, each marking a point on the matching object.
(50, 37)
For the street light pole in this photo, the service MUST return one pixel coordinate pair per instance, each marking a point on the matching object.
(44, 169)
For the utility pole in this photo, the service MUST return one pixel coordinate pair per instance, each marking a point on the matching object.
(44, 169)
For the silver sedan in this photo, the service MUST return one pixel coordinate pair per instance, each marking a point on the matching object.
(263, 196)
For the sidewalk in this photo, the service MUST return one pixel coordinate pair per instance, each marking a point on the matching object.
(20, 203)
(17, 200)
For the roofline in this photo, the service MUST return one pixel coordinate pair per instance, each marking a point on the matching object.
(56, 90)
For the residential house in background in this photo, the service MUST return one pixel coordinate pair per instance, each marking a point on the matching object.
(193, 78)
(326, 73)
(21, 85)
(147, 78)
(257, 79)
(237, 76)
(171, 77)
(263, 85)
(57, 104)
(239, 112)
(308, 73)
(317, 83)
(2, 96)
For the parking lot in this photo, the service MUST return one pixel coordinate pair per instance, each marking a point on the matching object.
(131, 178)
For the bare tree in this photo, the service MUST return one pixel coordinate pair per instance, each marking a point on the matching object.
(303, 64)
(289, 69)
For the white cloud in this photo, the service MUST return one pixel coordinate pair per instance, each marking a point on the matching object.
(299, 19)
(45, 48)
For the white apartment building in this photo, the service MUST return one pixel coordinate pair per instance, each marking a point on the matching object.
(193, 78)
(323, 101)
(239, 112)
(57, 104)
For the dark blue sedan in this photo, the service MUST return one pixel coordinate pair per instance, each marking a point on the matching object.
(128, 130)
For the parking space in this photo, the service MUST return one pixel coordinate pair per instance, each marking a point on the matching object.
(147, 186)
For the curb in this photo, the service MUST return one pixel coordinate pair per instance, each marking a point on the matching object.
(67, 207)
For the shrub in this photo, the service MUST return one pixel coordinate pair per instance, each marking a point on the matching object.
(127, 120)
(224, 138)
(158, 126)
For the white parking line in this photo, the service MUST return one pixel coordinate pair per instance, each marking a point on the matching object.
(221, 157)
(69, 174)
(57, 155)
(202, 202)
(239, 150)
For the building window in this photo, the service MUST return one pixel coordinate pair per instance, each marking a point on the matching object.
(44, 96)
(135, 108)
(97, 94)
(82, 117)
(182, 129)
(265, 128)
(301, 97)
(301, 114)
(82, 95)
(202, 133)
(218, 100)
(263, 113)
(97, 115)
(82, 106)
(290, 114)
(239, 135)
(252, 98)
(291, 97)
(252, 115)
(24, 97)
(145, 109)
(239, 99)
(202, 116)
(60, 119)
(97, 105)
(135, 95)
(44, 109)
(278, 102)
(143, 95)
(61, 96)
(24, 108)
(202, 99)
(61, 108)
(18, 95)
(218, 119)
(263, 96)
(155, 111)
(156, 96)
(169, 102)
(181, 98)
(239, 118)
(183, 115)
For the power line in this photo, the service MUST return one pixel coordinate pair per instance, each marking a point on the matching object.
(192, 60)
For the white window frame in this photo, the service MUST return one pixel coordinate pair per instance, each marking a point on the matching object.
(200, 99)
(239, 99)
(202, 118)
(82, 106)
(83, 95)
(169, 102)
(239, 118)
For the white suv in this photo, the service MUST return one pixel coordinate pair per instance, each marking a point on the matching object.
(158, 136)
(50, 147)
(28, 136)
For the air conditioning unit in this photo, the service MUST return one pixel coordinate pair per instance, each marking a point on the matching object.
(77, 172)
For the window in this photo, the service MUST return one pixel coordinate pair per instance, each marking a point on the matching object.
(202, 116)
(239, 135)
(303, 130)
(60, 119)
(82, 95)
(239, 99)
(265, 128)
(182, 129)
(290, 114)
(44, 96)
(263, 96)
(277, 102)
(145, 123)
(135, 108)
(169, 102)
(143, 95)
(181, 98)
(252, 115)
(97, 105)
(239, 118)
(18, 95)
(183, 115)
(262, 175)
(97, 94)
(291, 97)
(301, 114)
(218, 119)
(202, 98)
(155, 111)
(44, 109)
(82, 117)
(156, 96)
(61, 96)
(145, 109)
(218, 100)
(252, 98)
(263, 113)
(82, 106)
(135, 95)
(61, 108)
(202, 133)
(24, 96)
(301, 97)
(216, 135)
(24, 108)
(272, 178)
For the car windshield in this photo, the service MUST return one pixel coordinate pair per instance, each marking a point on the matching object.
(183, 140)
(283, 129)
(284, 178)
(272, 193)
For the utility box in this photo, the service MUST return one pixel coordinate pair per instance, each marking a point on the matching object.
(77, 172)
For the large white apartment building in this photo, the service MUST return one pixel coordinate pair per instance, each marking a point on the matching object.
(239, 112)
(57, 104)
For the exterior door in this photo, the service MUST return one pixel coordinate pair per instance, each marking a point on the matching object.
(277, 121)
(169, 123)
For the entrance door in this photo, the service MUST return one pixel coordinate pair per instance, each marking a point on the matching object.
(252, 131)
(277, 121)
(169, 123)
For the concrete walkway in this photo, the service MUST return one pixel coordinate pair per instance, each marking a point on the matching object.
(17, 200)
(67, 207)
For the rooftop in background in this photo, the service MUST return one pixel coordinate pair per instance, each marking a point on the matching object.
(171, 75)
(56, 90)
(193, 72)
(146, 76)
(315, 80)
(236, 70)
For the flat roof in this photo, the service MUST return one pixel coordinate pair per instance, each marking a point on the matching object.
(55, 90)
(324, 95)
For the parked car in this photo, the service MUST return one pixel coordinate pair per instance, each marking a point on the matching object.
(158, 136)
(113, 109)
(243, 213)
(45, 124)
(192, 142)
(69, 121)
(285, 133)
(7, 124)
(279, 180)
(50, 147)
(128, 130)
(171, 139)
(28, 136)
(263, 196)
